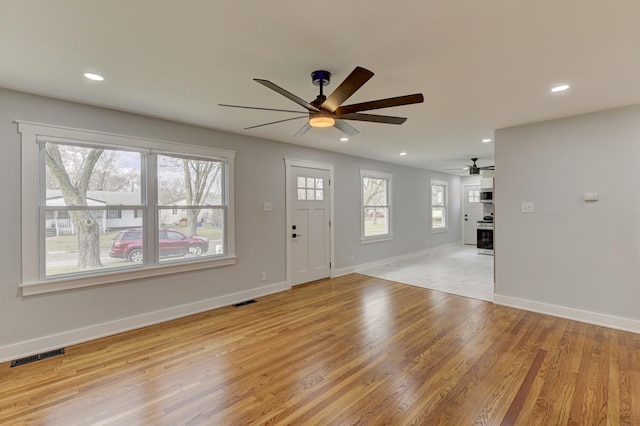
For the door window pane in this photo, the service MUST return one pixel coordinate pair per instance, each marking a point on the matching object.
(310, 189)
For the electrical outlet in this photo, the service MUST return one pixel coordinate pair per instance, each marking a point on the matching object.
(353, 257)
(263, 276)
(527, 207)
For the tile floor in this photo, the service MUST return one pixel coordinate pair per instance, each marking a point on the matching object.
(454, 269)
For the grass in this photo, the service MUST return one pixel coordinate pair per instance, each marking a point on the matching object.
(372, 229)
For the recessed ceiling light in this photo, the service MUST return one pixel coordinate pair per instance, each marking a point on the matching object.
(403, 153)
(344, 139)
(486, 140)
(560, 88)
(93, 76)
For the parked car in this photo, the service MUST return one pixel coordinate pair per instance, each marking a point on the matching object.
(128, 245)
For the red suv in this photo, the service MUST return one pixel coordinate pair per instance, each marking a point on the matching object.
(128, 245)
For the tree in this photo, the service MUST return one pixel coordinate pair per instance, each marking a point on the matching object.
(74, 184)
(199, 177)
(109, 175)
(374, 194)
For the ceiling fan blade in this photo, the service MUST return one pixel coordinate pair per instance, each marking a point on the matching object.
(346, 128)
(287, 94)
(487, 168)
(348, 87)
(264, 109)
(381, 103)
(304, 130)
(274, 122)
(373, 118)
(459, 169)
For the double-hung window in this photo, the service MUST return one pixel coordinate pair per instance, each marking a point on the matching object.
(100, 208)
(439, 206)
(376, 206)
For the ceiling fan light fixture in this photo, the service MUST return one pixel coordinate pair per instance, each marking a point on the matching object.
(321, 119)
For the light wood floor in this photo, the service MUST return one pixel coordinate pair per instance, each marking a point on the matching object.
(353, 350)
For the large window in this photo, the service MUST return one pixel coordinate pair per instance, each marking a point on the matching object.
(105, 208)
(439, 210)
(376, 206)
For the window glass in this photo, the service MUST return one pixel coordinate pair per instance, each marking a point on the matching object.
(376, 204)
(91, 176)
(86, 196)
(439, 220)
(79, 240)
(175, 243)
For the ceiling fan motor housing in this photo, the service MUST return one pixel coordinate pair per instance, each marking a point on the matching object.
(321, 77)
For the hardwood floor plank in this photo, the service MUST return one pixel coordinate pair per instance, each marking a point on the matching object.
(351, 350)
(524, 390)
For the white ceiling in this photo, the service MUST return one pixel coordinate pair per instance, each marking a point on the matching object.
(481, 64)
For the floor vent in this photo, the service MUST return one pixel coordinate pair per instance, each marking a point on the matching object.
(248, 302)
(33, 358)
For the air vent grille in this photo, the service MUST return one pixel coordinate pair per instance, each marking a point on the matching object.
(248, 302)
(33, 358)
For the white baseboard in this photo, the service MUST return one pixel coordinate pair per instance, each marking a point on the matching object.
(609, 321)
(362, 266)
(72, 337)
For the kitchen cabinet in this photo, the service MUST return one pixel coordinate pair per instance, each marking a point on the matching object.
(486, 184)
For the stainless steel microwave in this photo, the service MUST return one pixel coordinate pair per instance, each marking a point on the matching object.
(486, 196)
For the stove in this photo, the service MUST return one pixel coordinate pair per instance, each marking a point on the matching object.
(485, 236)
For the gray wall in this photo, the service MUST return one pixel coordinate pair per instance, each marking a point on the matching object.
(260, 236)
(569, 252)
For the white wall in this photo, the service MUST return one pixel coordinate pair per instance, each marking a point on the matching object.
(31, 323)
(571, 257)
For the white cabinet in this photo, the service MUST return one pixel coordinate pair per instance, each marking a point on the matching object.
(486, 184)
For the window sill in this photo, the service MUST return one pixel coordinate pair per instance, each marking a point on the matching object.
(439, 230)
(50, 286)
(369, 240)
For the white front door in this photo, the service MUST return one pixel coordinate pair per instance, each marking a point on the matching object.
(472, 212)
(309, 224)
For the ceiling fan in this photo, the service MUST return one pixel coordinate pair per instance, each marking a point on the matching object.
(329, 111)
(473, 168)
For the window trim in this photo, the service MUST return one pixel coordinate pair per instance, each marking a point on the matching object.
(389, 178)
(445, 205)
(33, 239)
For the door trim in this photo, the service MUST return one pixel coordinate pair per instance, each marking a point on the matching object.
(293, 162)
(462, 207)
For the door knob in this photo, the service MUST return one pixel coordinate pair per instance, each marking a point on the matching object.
(296, 235)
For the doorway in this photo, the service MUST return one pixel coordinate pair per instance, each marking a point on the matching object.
(472, 213)
(309, 211)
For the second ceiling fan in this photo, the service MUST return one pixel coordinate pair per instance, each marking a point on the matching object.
(474, 169)
(329, 111)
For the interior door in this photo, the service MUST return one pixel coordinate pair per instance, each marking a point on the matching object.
(310, 227)
(472, 212)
